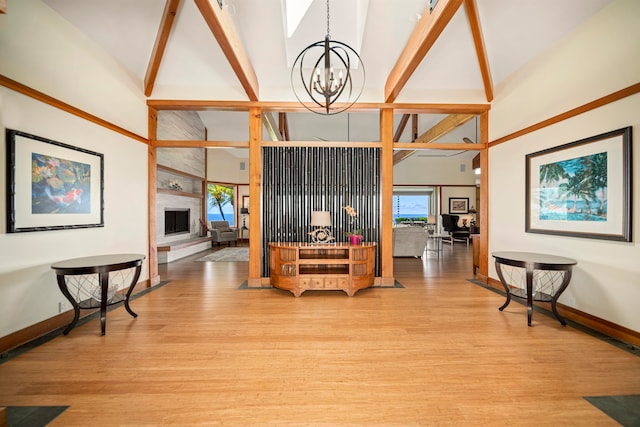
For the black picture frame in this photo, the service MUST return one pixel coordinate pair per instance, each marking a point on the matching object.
(458, 205)
(52, 185)
(582, 188)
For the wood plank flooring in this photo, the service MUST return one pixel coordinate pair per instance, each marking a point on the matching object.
(436, 352)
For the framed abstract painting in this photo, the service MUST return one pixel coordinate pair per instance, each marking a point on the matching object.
(51, 185)
(582, 189)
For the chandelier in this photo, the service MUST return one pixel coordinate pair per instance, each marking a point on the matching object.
(327, 76)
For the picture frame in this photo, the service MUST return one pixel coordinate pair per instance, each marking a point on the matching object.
(458, 205)
(582, 188)
(245, 202)
(52, 185)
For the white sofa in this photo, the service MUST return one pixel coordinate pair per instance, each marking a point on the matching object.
(409, 241)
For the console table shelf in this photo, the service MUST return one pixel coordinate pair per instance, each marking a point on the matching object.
(298, 267)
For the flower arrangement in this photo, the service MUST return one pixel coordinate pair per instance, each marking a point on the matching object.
(353, 219)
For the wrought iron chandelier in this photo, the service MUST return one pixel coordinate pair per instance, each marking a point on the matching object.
(318, 86)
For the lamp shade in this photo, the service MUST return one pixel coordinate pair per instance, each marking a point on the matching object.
(321, 218)
(244, 211)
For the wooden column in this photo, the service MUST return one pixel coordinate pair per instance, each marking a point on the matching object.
(484, 199)
(386, 168)
(154, 277)
(255, 183)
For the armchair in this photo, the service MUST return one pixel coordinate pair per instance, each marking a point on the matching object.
(222, 232)
(450, 225)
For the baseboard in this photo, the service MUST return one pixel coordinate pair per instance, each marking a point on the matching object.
(603, 326)
(49, 325)
(37, 330)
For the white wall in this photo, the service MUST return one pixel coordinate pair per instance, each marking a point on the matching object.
(225, 167)
(43, 52)
(599, 58)
(416, 170)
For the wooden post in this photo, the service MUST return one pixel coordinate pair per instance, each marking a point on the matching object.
(484, 199)
(386, 235)
(154, 277)
(255, 182)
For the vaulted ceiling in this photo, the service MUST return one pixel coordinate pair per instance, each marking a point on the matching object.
(462, 52)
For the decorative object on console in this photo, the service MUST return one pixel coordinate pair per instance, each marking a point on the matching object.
(175, 185)
(355, 236)
(320, 91)
(322, 220)
(355, 239)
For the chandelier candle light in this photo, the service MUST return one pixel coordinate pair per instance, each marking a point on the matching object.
(318, 88)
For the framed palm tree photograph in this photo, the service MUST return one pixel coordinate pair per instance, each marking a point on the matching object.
(582, 189)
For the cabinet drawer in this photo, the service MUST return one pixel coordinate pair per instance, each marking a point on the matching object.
(311, 283)
(331, 283)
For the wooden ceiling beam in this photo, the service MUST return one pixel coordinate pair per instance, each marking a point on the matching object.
(296, 107)
(422, 39)
(283, 125)
(223, 30)
(481, 51)
(401, 126)
(272, 127)
(442, 128)
(168, 18)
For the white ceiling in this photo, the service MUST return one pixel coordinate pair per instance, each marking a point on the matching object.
(194, 67)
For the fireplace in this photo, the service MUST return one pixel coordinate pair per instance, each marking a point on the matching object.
(176, 221)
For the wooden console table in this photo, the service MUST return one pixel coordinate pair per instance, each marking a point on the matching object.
(298, 267)
(101, 265)
(531, 262)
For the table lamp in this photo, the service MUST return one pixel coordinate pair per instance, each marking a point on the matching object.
(321, 220)
(244, 212)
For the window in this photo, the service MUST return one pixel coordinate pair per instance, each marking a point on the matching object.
(410, 207)
(221, 203)
(415, 203)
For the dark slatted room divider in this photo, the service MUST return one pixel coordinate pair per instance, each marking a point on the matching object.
(299, 180)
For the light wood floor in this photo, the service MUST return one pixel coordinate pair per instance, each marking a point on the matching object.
(438, 352)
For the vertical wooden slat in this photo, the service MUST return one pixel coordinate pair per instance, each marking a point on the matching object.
(386, 162)
(255, 182)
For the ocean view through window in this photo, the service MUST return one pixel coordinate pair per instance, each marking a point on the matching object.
(410, 206)
(221, 203)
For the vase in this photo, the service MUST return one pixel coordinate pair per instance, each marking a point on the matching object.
(355, 239)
